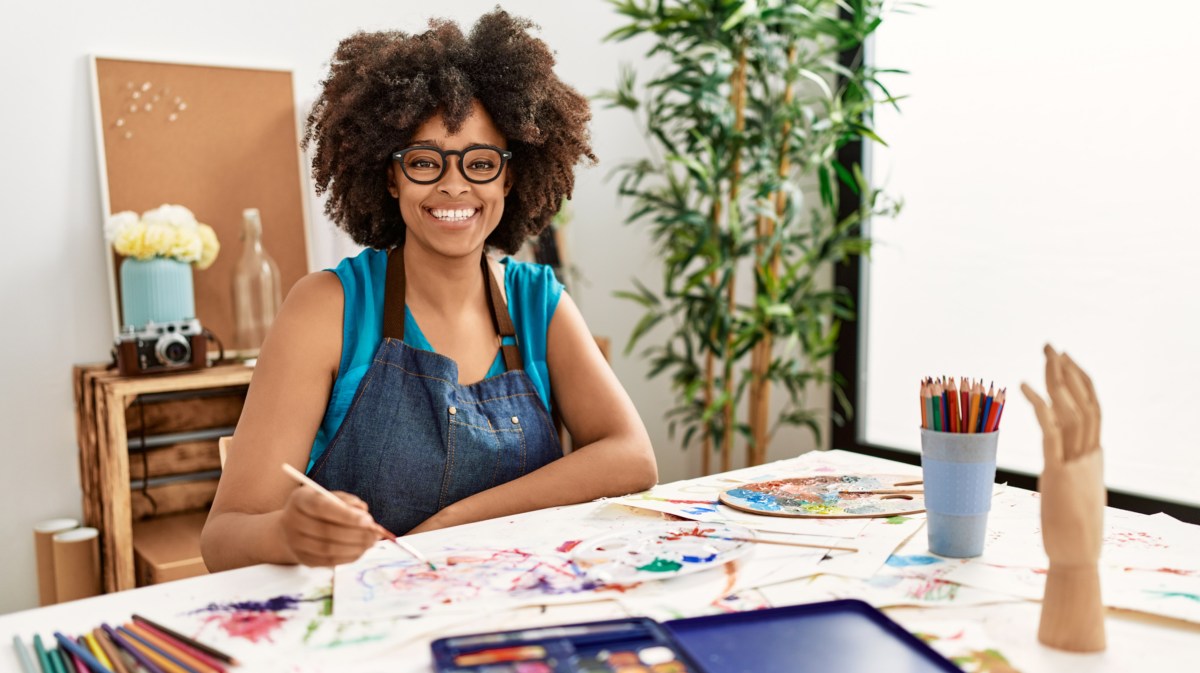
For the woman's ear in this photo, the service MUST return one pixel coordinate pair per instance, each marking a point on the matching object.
(508, 179)
(391, 175)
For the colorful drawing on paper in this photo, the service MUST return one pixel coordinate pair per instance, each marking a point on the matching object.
(841, 496)
(660, 550)
(254, 621)
(381, 584)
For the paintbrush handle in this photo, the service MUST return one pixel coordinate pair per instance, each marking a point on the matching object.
(783, 543)
(885, 491)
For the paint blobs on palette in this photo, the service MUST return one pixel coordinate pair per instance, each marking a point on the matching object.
(660, 550)
(829, 496)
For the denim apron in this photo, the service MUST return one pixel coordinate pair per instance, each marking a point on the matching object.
(414, 440)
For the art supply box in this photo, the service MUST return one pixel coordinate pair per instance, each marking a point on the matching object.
(845, 635)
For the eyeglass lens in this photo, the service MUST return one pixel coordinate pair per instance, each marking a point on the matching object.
(478, 164)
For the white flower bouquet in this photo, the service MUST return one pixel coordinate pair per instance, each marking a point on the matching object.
(168, 231)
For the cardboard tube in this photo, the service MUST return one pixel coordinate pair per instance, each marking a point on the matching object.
(77, 564)
(43, 532)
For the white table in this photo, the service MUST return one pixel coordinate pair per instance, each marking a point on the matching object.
(305, 642)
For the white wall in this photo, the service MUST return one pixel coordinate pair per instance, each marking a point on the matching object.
(52, 277)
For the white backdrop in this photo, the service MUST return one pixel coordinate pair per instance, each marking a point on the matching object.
(1046, 157)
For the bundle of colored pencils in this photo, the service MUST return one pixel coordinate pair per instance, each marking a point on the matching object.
(136, 646)
(946, 407)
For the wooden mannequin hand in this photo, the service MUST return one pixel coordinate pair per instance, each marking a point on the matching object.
(1073, 498)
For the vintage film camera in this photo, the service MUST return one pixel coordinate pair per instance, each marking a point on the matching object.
(161, 347)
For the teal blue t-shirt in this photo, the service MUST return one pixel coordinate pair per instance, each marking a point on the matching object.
(533, 294)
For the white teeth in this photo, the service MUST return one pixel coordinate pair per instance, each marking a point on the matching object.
(455, 215)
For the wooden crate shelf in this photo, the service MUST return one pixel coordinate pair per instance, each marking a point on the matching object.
(148, 456)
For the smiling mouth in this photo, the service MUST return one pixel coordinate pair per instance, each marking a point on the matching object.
(453, 215)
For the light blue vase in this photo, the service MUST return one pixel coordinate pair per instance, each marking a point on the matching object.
(156, 290)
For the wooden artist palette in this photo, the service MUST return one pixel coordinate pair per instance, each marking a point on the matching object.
(660, 550)
(830, 496)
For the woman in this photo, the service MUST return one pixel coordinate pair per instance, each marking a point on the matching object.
(416, 380)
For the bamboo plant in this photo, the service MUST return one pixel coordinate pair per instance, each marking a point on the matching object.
(751, 107)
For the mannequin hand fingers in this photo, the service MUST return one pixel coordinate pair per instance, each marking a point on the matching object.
(1089, 404)
(1051, 439)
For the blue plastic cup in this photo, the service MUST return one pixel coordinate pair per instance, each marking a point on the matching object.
(959, 473)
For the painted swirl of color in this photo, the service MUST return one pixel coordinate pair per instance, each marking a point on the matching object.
(659, 550)
(830, 495)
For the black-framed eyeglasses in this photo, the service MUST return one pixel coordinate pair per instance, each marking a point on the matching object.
(426, 164)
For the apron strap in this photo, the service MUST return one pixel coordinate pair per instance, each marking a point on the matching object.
(393, 296)
(393, 311)
(502, 321)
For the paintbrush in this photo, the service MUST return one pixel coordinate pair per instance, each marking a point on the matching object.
(303, 480)
(884, 491)
(781, 542)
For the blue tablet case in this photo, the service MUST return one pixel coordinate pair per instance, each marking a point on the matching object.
(844, 635)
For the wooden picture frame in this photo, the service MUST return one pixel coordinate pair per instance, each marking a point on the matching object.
(215, 139)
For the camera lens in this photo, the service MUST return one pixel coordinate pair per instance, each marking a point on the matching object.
(173, 349)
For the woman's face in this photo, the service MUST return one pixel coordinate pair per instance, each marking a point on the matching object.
(453, 216)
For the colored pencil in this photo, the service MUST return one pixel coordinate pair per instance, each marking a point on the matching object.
(194, 644)
(937, 406)
(165, 661)
(985, 407)
(924, 415)
(83, 658)
(27, 665)
(60, 661)
(927, 402)
(759, 540)
(169, 647)
(139, 656)
(945, 407)
(964, 404)
(303, 480)
(42, 656)
(97, 651)
(110, 649)
(952, 394)
(207, 659)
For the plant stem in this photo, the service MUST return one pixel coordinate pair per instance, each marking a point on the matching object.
(760, 359)
(738, 98)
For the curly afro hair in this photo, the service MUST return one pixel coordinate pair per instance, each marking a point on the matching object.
(382, 86)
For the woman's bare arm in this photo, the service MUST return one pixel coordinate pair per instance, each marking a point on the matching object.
(614, 455)
(259, 515)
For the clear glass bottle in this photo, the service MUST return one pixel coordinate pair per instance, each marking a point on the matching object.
(257, 291)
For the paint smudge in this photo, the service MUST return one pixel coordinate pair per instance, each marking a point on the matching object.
(1174, 594)
(275, 604)
(758, 501)
(567, 546)
(1169, 571)
(700, 559)
(897, 519)
(985, 661)
(250, 625)
(661, 565)
(911, 560)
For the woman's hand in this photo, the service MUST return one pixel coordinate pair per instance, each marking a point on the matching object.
(320, 533)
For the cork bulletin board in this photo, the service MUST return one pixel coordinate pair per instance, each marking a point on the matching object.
(214, 139)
